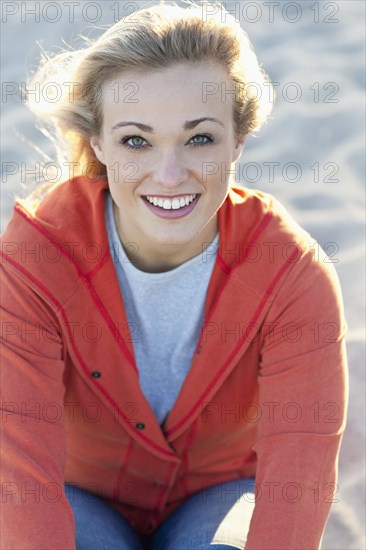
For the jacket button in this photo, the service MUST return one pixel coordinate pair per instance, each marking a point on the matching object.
(96, 374)
(140, 426)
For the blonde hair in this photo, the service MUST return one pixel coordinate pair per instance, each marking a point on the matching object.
(154, 38)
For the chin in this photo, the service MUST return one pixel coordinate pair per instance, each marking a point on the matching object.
(178, 242)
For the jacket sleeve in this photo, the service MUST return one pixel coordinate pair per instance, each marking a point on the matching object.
(35, 513)
(303, 389)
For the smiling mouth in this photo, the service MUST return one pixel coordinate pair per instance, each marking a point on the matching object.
(175, 203)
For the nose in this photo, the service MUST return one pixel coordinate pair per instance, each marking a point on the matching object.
(169, 171)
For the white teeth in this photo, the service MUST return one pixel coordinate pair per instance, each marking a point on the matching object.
(169, 204)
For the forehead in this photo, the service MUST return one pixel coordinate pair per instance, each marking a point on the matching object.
(182, 90)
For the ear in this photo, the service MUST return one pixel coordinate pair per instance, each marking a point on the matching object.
(96, 146)
(239, 146)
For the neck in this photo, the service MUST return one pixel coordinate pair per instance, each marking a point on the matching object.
(165, 257)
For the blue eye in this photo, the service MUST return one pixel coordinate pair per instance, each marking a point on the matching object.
(138, 142)
(133, 139)
(203, 140)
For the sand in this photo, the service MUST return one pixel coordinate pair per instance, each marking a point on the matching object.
(310, 156)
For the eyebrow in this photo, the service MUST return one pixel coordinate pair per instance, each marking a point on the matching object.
(188, 125)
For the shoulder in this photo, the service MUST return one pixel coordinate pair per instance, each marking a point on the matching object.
(272, 254)
(74, 209)
(71, 202)
(250, 207)
(55, 235)
(257, 222)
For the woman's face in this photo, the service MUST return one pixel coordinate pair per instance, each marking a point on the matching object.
(167, 164)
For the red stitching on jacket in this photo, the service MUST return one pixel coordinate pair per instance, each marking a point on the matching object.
(95, 270)
(228, 271)
(121, 470)
(77, 353)
(22, 212)
(261, 227)
(223, 265)
(158, 507)
(240, 343)
(188, 445)
(87, 283)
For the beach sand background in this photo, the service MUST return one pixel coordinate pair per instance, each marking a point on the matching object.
(310, 156)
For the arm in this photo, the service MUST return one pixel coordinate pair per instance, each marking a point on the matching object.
(303, 398)
(35, 512)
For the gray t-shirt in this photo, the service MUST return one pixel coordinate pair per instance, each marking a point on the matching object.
(165, 315)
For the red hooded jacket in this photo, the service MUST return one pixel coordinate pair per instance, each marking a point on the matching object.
(265, 396)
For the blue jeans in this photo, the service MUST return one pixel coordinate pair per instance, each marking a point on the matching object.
(216, 518)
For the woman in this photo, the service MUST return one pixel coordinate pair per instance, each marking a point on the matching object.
(174, 349)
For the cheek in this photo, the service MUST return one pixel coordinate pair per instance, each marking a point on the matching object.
(123, 171)
(218, 181)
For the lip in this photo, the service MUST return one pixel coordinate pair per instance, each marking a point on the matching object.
(172, 214)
